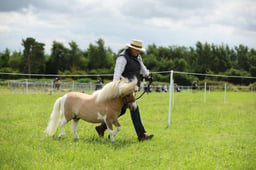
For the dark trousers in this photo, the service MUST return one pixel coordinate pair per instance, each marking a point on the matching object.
(135, 115)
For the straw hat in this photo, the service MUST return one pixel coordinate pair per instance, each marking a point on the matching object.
(136, 44)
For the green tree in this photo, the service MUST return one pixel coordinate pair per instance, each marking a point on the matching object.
(75, 56)
(152, 49)
(4, 58)
(109, 60)
(166, 64)
(102, 53)
(242, 57)
(179, 56)
(236, 72)
(99, 56)
(181, 64)
(220, 59)
(34, 61)
(192, 59)
(94, 58)
(151, 59)
(164, 53)
(15, 61)
(151, 62)
(204, 57)
(252, 62)
(58, 60)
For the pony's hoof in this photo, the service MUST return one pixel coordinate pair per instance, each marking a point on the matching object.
(61, 136)
(112, 139)
(76, 139)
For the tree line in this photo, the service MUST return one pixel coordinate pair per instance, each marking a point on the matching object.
(204, 58)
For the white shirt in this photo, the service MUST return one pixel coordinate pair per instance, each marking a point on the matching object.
(120, 66)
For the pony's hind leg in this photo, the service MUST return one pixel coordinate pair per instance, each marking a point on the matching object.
(62, 124)
(73, 128)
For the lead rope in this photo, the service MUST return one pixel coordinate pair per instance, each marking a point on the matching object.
(150, 82)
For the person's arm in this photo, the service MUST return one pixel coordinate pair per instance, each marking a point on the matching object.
(144, 71)
(119, 67)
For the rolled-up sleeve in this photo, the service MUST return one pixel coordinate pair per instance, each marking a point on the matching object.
(119, 67)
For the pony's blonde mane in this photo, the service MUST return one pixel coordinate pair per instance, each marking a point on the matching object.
(115, 89)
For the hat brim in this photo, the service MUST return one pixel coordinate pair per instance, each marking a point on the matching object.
(140, 49)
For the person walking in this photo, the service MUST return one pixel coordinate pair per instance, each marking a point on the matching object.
(129, 65)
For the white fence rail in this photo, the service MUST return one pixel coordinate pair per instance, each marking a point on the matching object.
(27, 86)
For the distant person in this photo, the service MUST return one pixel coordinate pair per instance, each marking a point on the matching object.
(56, 83)
(176, 87)
(129, 65)
(99, 84)
(164, 88)
(158, 88)
(194, 85)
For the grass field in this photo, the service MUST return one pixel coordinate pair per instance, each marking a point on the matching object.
(210, 135)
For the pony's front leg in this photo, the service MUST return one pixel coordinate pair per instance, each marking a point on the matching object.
(112, 133)
(118, 127)
(73, 128)
(62, 124)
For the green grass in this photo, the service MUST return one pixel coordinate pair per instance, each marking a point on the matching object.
(210, 135)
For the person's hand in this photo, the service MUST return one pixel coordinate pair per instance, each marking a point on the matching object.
(149, 78)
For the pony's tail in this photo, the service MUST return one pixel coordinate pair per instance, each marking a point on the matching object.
(55, 118)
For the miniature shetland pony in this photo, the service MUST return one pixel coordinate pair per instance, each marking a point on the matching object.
(102, 106)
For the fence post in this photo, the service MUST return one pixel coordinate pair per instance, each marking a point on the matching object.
(173, 92)
(52, 86)
(204, 92)
(170, 97)
(225, 87)
(73, 85)
(27, 85)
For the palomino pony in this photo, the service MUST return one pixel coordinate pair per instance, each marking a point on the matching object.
(102, 106)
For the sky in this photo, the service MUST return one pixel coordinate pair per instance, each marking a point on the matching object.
(117, 22)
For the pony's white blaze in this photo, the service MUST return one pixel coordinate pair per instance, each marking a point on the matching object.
(102, 106)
